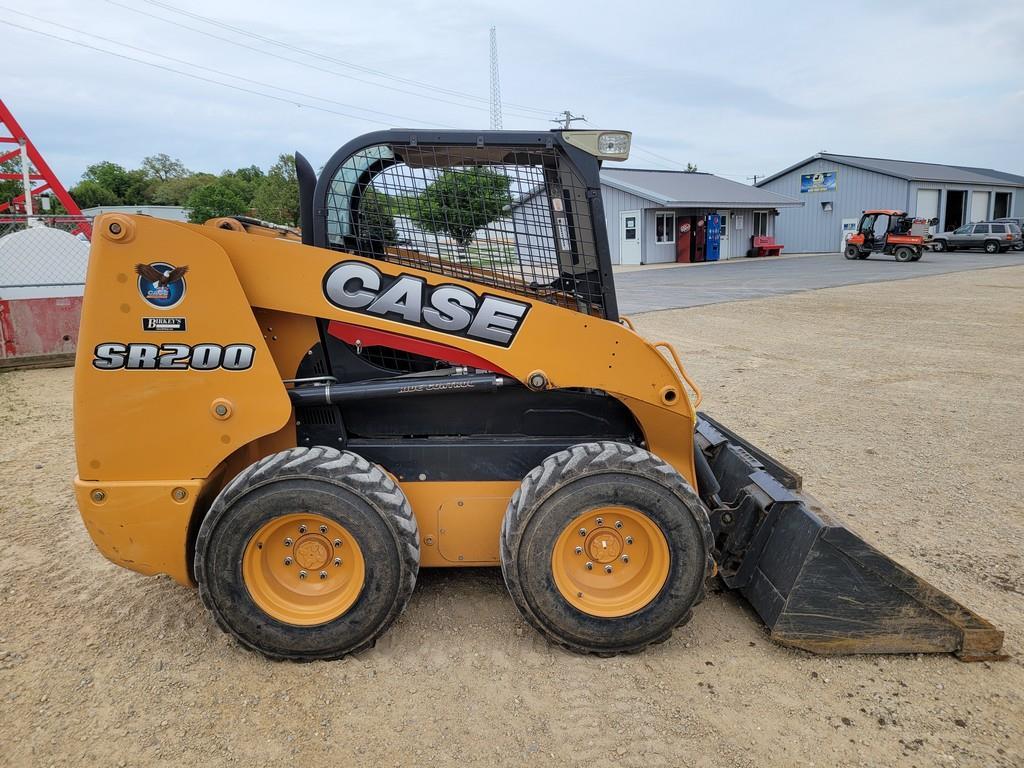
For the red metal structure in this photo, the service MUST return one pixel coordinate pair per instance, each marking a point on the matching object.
(41, 177)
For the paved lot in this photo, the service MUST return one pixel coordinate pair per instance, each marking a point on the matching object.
(645, 290)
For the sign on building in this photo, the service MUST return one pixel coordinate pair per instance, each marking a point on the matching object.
(818, 182)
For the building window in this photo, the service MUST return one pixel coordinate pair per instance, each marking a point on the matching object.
(664, 227)
(760, 223)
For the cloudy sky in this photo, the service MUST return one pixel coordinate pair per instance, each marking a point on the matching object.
(739, 88)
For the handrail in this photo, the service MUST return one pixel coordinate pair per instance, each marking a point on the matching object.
(682, 371)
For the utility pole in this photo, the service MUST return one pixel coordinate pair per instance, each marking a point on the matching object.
(495, 83)
(566, 118)
(26, 177)
(755, 177)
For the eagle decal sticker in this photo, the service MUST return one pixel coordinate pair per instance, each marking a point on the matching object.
(161, 285)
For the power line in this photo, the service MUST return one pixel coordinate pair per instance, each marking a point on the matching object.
(308, 65)
(319, 55)
(221, 72)
(480, 101)
(194, 76)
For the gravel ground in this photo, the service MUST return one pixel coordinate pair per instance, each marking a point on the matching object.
(901, 405)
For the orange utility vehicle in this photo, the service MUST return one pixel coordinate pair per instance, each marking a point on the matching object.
(438, 375)
(890, 232)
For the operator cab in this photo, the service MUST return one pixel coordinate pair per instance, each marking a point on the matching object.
(519, 211)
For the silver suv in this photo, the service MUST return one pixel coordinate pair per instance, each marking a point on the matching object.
(992, 236)
(1019, 221)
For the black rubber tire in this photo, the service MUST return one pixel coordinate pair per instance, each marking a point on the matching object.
(592, 475)
(991, 246)
(939, 246)
(904, 254)
(336, 484)
(852, 252)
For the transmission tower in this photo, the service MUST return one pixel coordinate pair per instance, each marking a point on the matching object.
(495, 83)
(35, 175)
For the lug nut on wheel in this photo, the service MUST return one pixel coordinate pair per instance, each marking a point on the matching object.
(579, 550)
(600, 521)
(590, 566)
(607, 569)
(323, 529)
(583, 531)
(337, 562)
(287, 561)
(302, 529)
(323, 575)
(625, 558)
(337, 543)
(618, 523)
(629, 539)
(288, 542)
(303, 574)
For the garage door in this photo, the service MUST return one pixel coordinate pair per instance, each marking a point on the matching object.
(979, 206)
(927, 204)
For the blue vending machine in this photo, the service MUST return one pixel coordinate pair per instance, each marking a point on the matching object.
(714, 244)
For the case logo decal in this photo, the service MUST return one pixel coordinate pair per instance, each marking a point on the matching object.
(161, 285)
(454, 309)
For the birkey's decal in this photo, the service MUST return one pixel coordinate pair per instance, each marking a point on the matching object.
(452, 309)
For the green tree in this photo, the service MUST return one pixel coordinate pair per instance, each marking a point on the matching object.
(376, 222)
(10, 188)
(162, 167)
(244, 181)
(459, 202)
(219, 198)
(89, 193)
(277, 194)
(175, 191)
(129, 187)
(691, 168)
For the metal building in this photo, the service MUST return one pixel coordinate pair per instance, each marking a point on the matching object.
(643, 208)
(836, 189)
(169, 212)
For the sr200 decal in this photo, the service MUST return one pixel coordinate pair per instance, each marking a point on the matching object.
(113, 356)
(360, 287)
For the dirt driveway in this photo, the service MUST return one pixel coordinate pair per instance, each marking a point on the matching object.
(900, 403)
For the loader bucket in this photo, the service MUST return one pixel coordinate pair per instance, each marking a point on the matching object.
(815, 583)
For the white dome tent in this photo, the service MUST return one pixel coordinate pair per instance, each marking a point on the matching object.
(42, 262)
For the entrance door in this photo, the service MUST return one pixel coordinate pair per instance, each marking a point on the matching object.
(1001, 208)
(725, 225)
(629, 237)
(956, 209)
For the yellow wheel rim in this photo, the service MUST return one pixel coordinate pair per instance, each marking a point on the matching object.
(610, 562)
(303, 569)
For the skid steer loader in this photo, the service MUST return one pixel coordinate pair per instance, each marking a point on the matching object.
(437, 375)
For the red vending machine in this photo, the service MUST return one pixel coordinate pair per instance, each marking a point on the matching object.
(699, 237)
(684, 239)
